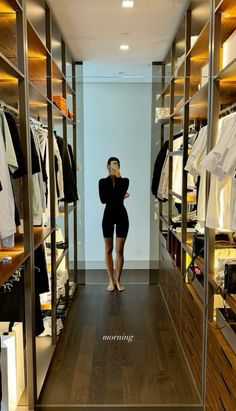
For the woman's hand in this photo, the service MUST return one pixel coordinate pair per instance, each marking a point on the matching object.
(115, 171)
(126, 195)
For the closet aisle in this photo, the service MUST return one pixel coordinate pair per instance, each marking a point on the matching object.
(144, 364)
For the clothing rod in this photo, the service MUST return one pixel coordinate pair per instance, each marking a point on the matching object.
(4, 105)
(228, 109)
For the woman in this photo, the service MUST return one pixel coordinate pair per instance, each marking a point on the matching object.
(112, 192)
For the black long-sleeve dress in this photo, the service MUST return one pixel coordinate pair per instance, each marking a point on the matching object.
(115, 212)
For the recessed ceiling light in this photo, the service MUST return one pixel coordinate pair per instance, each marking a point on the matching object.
(128, 3)
(124, 47)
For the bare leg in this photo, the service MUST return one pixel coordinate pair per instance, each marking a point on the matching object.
(120, 242)
(109, 261)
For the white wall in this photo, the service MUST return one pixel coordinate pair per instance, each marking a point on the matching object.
(117, 122)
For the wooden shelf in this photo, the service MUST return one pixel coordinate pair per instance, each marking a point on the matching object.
(19, 256)
(8, 36)
(166, 90)
(227, 7)
(59, 115)
(10, 5)
(41, 234)
(198, 103)
(70, 89)
(179, 196)
(199, 51)
(59, 260)
(188, 247)
(164, 219)
(36, 47)
(38, 103)
(217, 284)
(177, 235)
(8, 70)
(228, 73)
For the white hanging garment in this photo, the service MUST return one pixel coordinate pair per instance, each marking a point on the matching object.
(193, 166)
(7, 204)
(221, 162)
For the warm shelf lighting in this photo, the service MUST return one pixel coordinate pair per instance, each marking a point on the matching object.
(128, 4)
(37, 104)
(37, 57)
(124, 47)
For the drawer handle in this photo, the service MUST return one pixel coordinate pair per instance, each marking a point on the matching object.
(190, 332)
(223, 379)
(222, 404)
(190, 351)
(191, 315)
(226, 358)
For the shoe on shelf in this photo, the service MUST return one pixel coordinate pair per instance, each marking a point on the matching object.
(110, 287)
(120, 286)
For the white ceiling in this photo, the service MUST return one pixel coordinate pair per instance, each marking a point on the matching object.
(94, 29)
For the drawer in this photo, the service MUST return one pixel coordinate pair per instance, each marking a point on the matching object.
(219, 360)
(224, 395)
(191, 312)
(192, 338)
(214, 401)
(194, 364)
(211, 400)
(175, 314)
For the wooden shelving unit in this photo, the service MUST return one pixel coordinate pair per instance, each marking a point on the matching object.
(33, 56)
(194, 98)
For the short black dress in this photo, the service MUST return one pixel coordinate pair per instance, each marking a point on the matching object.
(115, 212)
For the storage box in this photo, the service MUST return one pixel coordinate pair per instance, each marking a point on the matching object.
(227, 325)
(229, 50)
(60, 102)
(17, 332)
(8, 371)
(205, 74)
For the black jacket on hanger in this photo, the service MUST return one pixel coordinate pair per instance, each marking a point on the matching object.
(159, 163)
(72, 160)
(21, 170)
(70, 189)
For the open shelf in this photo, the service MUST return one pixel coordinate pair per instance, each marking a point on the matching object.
(38, 103)
(9, 6)
(227, 7)
(164, 219)
(8, 70)
(62, 256)
(41, 234)
(188, 247)
(19, 256)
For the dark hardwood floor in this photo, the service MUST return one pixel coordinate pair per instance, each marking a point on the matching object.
(86, 369)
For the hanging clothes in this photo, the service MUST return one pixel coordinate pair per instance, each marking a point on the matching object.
(193, 166)
(163, 188)
(7, 209)
(69, 184)
(221, 163)
(158, 166)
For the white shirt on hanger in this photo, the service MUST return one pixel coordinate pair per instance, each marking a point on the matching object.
(7, 208)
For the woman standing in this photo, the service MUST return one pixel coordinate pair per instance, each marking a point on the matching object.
(112, 192)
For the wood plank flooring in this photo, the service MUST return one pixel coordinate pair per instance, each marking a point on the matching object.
(128, 276)
(86, 369)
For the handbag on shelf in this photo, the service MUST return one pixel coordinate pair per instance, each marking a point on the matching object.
(230, 278)
(198, 242)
